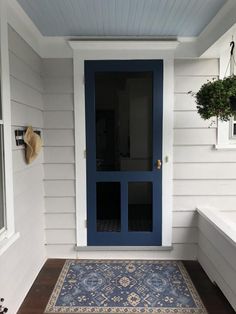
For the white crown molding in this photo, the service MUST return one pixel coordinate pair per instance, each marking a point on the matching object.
(123, 45)
(185, 47)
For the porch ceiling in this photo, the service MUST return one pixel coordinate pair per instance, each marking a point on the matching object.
(121, 17)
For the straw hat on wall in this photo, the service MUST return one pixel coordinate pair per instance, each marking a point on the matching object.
(33, 145)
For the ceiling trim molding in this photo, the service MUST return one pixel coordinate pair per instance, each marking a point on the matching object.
(60, 47)
(123, 45)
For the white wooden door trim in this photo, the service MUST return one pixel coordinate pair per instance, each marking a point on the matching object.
(124, 51)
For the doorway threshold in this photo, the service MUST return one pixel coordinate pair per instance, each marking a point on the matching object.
(123, 248)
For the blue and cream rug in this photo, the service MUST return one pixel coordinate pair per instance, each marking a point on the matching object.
(124, 286)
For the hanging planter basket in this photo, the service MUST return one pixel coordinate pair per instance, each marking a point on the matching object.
(217, 98)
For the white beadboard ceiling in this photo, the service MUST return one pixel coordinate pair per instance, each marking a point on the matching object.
(121, 17)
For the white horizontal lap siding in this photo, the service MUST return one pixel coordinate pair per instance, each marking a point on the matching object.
(59, 171)
(63, 119)
(25, 94)
(59, 168)
(202, 154)
(26, 115)
(202, 175)
(59, 188)
(190, 202)
(25, 258)
(54, 204)
(59, 155)
(190, 131)
(23, 72)
(205, 171)
(19, 47)
(58, 137)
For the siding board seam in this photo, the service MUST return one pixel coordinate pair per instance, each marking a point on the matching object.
(56, 77)
(47, 93)
(51, 196)
(59, 244)
(196, 75)
(27, 84)
(198, 145)
(217, 195)
(22, 126)
(61, 128)
(61, 196)
(59, 110)
(181, 93)
(197, 195)
(59, 93)
(23, 61)
(53, 146)
(185, 211)
(49, 180)
(59, 229)
(27, 105)
(58, 163)
(185, 110)
(45, 213)
(203, 162)
(195, 128)
(204, 179)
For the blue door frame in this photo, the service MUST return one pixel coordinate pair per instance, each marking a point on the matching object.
(124, 237)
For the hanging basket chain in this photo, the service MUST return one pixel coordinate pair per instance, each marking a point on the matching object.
(232, 61)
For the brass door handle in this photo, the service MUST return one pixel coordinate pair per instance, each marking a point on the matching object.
(158, 164)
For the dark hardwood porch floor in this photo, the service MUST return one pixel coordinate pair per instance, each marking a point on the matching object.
(37, 298)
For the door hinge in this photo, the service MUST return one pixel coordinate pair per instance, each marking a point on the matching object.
(86, 223)
(85, 153)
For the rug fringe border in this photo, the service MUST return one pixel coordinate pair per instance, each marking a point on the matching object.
(51, 309)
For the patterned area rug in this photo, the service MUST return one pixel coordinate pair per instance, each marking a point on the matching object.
(124, 286)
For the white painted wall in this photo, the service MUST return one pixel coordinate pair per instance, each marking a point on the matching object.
(59, 181)
(20, 264)
(202, 175)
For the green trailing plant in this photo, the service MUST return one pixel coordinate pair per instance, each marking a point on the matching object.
(214, 98)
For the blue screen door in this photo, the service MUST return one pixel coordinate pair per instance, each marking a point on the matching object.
(124, 101)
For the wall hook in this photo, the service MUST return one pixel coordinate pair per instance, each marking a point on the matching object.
(19, 136)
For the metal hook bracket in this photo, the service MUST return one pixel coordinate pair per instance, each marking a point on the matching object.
(232, 44)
